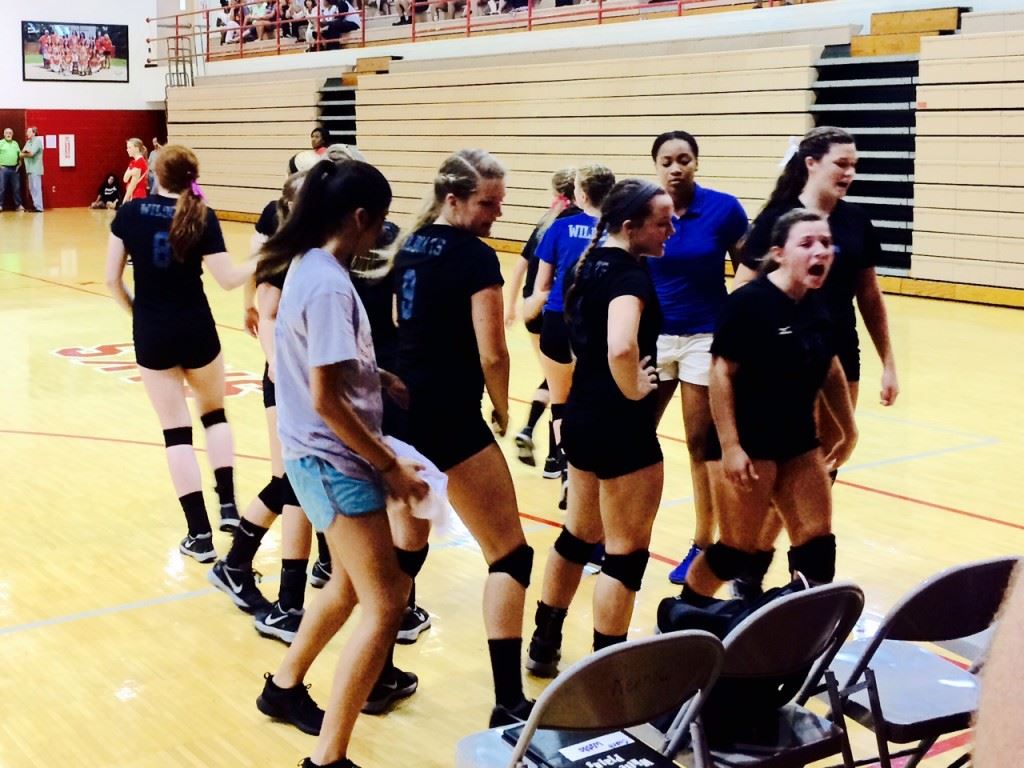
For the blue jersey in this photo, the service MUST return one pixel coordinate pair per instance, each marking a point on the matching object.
(690, 278)
(562, 245)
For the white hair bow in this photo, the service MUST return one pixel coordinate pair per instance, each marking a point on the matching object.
(792, 149)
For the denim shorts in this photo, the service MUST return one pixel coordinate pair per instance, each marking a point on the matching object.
(324, 492)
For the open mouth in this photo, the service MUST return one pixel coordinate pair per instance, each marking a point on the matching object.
(817, 270)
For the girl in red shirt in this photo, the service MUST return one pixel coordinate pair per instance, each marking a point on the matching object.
(137, 172)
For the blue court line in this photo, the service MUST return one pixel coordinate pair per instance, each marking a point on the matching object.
(923, 425)
(460, 540)
(915, 456)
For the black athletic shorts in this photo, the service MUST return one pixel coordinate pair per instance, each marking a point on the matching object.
(269, 390)
(535, 325)
(849, 358)
(780, 447)
(445, 435)
(609, 448)
(189, 340)
(554, 338)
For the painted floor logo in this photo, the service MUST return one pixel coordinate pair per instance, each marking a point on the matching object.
(120, 358)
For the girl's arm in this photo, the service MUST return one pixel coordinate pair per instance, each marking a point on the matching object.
(515, 286)
(228, 274)
(490, 340)
(633, 376)
(738, 467)
(872, 309)
(837, 397)
(541, 288)
(131, 178)
(268, 298)
(117, 256)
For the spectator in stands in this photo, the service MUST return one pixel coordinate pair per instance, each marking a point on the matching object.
(222, 20)
(318, 140)
(339, 18)
(265, 17)
(108, 195)
(10, 164)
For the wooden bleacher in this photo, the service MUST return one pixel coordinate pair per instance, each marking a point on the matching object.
(969, 189)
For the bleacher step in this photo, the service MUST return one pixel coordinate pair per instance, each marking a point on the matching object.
(887, 45)
(926, 20)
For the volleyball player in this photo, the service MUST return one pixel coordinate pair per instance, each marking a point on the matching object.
(818, 177)
(451, 345)
(170, 236)
(557, 252)
(773, 354)
(330, 410)
(524, 277)
(615, 463)
(137, 172)
(690, 281)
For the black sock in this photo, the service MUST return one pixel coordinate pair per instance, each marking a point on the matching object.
(389, 666)
(225, 477)
(293, 584)
(536, 409)
(695, 598)
(244, 545)
(549, 622)
(505, 663)
(323, 553)
(194, 507)
(411, 603)
(601, 640)
(552, 445)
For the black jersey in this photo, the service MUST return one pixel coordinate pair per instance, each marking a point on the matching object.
(435, 276)
(377, 296)
(607, 274)
(267, 222)
(162, 283)
(530, 252)
(856, 246)
(783, 350)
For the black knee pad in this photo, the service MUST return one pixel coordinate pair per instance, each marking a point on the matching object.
(411, 561)
(271, 495)
(573, 549)
(518, 564)
(557, 411)
(178, 436)
(728, 563)
(214, 417)
(288, 497)
(627, 569)
(815, 559)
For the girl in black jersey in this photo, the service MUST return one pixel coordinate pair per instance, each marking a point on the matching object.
(451, 345)
(773, 354)
(615, 463)
(170, 236)
(524, 275)
(818, 177)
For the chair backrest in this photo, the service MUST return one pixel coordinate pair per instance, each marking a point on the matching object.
(627, 684)
(796, 632)
(955, 603)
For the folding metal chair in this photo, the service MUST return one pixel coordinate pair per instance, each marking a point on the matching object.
(907, 693)
(621, 686)
(780, 650)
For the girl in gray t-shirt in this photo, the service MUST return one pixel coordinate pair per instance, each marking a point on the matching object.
(329, 420)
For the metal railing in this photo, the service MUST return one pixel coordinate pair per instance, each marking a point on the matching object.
(226, 33)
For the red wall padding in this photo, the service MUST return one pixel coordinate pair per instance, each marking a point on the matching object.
(99, 148)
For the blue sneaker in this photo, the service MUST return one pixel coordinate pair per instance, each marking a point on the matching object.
(678, 575)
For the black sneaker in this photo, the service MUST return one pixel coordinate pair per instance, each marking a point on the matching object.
(414, 621)
(542, 658)
(744, 588)
(199, 547)
(595, 563)
(279, 623)
(524, 445)
(502, 715)
(395, 685)
(240, 585)
(343, 763)
(552, 468)
(291, 705)
(320, 574)
(229, 518)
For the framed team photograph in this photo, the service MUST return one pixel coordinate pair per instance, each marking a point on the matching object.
(80, 53)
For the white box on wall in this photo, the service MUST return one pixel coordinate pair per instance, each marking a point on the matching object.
(66, 150)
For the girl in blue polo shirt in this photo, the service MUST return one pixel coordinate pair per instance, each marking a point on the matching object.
(690, 281)
(558, 252)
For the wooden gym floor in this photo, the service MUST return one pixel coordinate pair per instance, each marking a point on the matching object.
(116, 651)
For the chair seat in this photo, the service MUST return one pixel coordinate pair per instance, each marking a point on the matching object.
(921, 694)
(795, 738)
(484, 748)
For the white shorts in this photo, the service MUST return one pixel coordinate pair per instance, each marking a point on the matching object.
(685, 358)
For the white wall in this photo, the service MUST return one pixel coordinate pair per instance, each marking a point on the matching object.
(733, 23)
(144, 86)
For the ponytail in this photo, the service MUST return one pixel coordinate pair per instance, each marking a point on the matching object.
(188, 224)
(330, 193)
